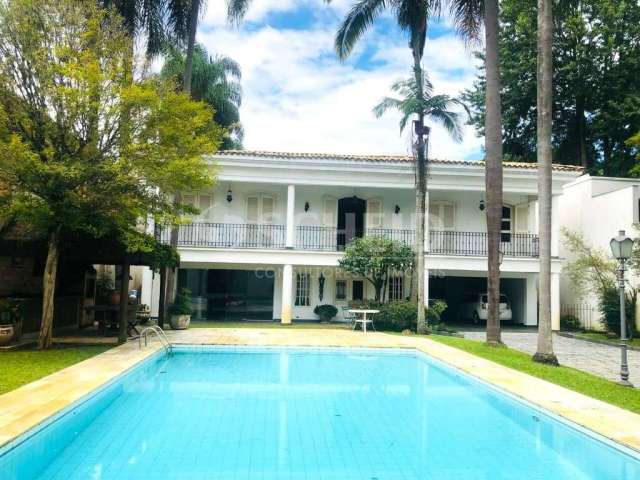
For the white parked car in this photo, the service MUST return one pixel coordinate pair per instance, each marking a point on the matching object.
(475, 307)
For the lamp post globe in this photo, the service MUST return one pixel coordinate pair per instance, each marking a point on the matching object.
(621, 249)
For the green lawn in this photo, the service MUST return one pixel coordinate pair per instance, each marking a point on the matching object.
(602, 337)
(19, 367)
(591, 385)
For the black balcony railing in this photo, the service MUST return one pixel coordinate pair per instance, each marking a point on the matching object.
(330, 239)
(228, 235)
(475, 244)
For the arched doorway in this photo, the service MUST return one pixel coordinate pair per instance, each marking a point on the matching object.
(350, 220)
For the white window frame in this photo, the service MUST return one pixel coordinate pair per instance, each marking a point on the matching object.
(196, 203)
(436, 210)
(374, 220)
(260, 205)
(346, 290)
(396, 288)
(303, 289)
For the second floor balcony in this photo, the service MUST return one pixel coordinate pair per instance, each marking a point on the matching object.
(332, 239)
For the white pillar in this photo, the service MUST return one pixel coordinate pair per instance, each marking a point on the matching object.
(555, 226)
(291, 201)
(287, 294)
(531, 301)
(427, 240)
(555, 301)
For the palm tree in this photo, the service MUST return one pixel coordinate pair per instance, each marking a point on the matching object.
(418, 101)
(412, 16)
(159, 21)
(544, 353)
(236, 10)
(216, 81)
(468, 16)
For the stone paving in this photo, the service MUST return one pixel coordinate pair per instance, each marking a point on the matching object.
(602, 360)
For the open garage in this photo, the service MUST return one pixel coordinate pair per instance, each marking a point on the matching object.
(458, 290)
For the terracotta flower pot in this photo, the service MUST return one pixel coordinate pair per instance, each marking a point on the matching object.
(6, 334)
(114, 298)
(180, 322)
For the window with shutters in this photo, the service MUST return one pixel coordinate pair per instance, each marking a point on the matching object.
(522, 218)
(303, 288)
(396, 288)
(374, 213)
(205, 205)
(261, 208)
(442, 216)
(330, 212)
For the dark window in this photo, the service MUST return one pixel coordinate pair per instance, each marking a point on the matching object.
(357, 292)
(341, 290)
(396, 290)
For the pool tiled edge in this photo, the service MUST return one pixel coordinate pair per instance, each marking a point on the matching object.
(30, 405)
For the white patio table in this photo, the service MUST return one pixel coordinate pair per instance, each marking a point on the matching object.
(363, 320)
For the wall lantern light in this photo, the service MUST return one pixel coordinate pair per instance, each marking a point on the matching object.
(481, 206)
(397, 210)
(306, 206)
(321, 286)
(229, 195)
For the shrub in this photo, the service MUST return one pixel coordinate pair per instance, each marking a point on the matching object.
(401, 315)
(570, 323)
(435, 311)
(396, 316)
(325, 312)
(182, 303)
(610, 308)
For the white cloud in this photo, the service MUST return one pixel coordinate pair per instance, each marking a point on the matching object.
(299, 97)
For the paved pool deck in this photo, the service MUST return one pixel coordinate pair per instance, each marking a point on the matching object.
(28, 406)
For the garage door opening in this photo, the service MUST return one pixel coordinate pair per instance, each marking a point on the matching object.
(229, 294)
(460, 292)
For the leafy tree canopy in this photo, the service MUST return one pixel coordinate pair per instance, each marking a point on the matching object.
(596, 83)
(86, 148)
(375, 258)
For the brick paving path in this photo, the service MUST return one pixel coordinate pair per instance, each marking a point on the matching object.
(602, 360)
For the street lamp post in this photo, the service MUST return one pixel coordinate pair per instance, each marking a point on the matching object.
(621, 248)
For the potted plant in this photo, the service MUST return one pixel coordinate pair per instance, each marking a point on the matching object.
(10, 320)
(105, 289)
(180, 310)
(325, 312)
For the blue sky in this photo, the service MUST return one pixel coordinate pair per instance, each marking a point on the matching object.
(299, 97)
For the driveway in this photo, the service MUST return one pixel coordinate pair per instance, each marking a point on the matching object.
(602, 360)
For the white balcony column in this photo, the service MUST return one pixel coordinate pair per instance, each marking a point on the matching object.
(531, 300)
(555, 226)
(427, 241)
(287, 294)
(555, 301)
(291, 228)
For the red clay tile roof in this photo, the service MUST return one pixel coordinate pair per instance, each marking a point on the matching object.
(384, 159)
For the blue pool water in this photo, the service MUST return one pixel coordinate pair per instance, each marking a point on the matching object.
(219, 414)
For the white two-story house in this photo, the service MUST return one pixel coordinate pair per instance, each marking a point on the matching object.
(269, 236)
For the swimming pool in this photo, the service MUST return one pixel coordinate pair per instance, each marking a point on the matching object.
(339, 414)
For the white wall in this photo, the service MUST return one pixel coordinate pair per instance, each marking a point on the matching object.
(598, 208)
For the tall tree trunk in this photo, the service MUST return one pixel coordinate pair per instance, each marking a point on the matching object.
(493, 170)
(191, 41)
(421, 194)
(186, 88)
(49, 290)
(545, 354)
(582, 131)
